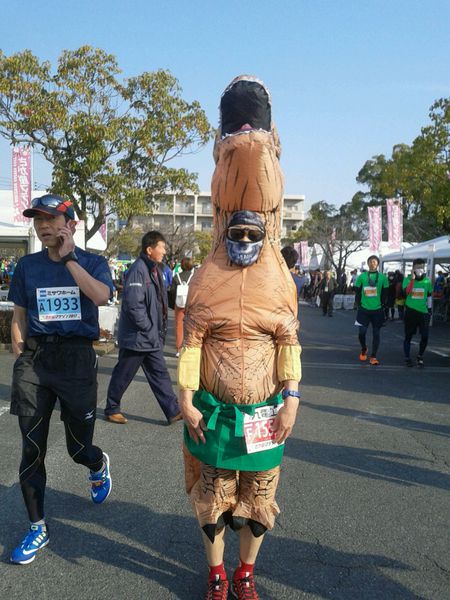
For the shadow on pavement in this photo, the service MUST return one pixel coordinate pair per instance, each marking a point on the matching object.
(166, 548)
(398, 422)
(367, 462)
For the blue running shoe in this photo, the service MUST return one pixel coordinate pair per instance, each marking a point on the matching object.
(101, 483)
(36, 539)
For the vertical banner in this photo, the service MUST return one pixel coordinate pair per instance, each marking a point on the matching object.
(395, 223)
(21, 176)
(102, 231)
(374, 217)
(297, 248)
(304, 253)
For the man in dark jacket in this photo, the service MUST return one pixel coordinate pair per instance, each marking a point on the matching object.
(142, 329)
(327, 290)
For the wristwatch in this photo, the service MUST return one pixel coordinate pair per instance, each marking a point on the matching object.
(286, 393)
(71, 256)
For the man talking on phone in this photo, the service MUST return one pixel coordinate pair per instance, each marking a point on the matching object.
(56, 293)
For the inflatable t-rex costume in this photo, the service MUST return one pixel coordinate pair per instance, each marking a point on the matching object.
(240, 329)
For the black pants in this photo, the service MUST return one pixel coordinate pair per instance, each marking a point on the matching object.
(155, 370)
(65, 369)
(415, 320)
(365, 318)
(32, 473)
(327, 303)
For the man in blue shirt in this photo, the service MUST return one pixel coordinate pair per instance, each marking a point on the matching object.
(56, 293)
(290, 255)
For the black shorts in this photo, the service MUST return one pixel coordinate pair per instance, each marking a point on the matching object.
(364, 317)
(416, 320)
(65, 369)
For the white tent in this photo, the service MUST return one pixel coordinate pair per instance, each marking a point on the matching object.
(433, 251)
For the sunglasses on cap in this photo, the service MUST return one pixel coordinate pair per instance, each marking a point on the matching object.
(52, 202)
(237, 234)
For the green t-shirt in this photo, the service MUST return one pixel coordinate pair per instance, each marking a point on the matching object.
(371, 284)
(417, 299)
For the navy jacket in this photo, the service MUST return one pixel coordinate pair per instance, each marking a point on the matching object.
(143, 317)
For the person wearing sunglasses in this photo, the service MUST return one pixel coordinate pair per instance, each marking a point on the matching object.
(56, 293)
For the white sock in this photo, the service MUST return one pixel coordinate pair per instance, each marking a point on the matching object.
(41, 522)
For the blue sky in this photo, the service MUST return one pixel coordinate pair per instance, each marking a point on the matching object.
(349, 79)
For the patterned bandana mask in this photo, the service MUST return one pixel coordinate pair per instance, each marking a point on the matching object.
(245, 253)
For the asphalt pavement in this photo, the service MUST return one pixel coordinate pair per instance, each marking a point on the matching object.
(364, 494)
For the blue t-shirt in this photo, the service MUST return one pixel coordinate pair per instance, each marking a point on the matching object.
(55, 305)
(298, 284)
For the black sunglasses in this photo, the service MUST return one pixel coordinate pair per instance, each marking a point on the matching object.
(237, 234)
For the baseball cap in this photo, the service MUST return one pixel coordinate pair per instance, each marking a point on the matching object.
(50, 204)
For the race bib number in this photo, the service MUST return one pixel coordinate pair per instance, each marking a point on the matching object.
(418, 294)
(370, 292)
(59, 304)
(258, 429)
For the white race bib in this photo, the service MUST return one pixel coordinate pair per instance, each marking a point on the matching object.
(418, 293)
(59, 303)
(258, 429)
(370, 292)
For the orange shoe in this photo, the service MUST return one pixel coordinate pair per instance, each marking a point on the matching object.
(374, 361)
(363, 355)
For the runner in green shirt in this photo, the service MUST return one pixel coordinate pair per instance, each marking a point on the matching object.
(370, 287)
(418, 290)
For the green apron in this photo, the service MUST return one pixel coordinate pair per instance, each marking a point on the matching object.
(225, 445)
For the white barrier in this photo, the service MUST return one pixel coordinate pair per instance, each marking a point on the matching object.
(108, 317)
(338, 300)
(349, 302)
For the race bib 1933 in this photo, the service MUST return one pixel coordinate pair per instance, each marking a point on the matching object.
(59, 303)
(258, 429)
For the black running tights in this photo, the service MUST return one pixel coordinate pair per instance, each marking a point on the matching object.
(375, 338)
(32, 473)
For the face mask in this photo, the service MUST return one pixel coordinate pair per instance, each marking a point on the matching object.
(419, 272)
(245, 224)
(243, 254)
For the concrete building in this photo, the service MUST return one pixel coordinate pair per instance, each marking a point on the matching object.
(194, 211)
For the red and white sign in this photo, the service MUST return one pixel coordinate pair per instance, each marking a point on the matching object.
(395, 223)
(21, 175)
(375, 231)
(258, 429)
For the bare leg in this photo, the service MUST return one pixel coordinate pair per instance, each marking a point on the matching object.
(249, 545)
(214, 551)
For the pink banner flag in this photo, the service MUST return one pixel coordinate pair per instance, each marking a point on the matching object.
(304, 254)
(21, 175)
(375, 231)
(102, 231)
(395, 223)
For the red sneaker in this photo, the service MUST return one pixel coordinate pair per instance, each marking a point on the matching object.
(217, 589)
(244, 588)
